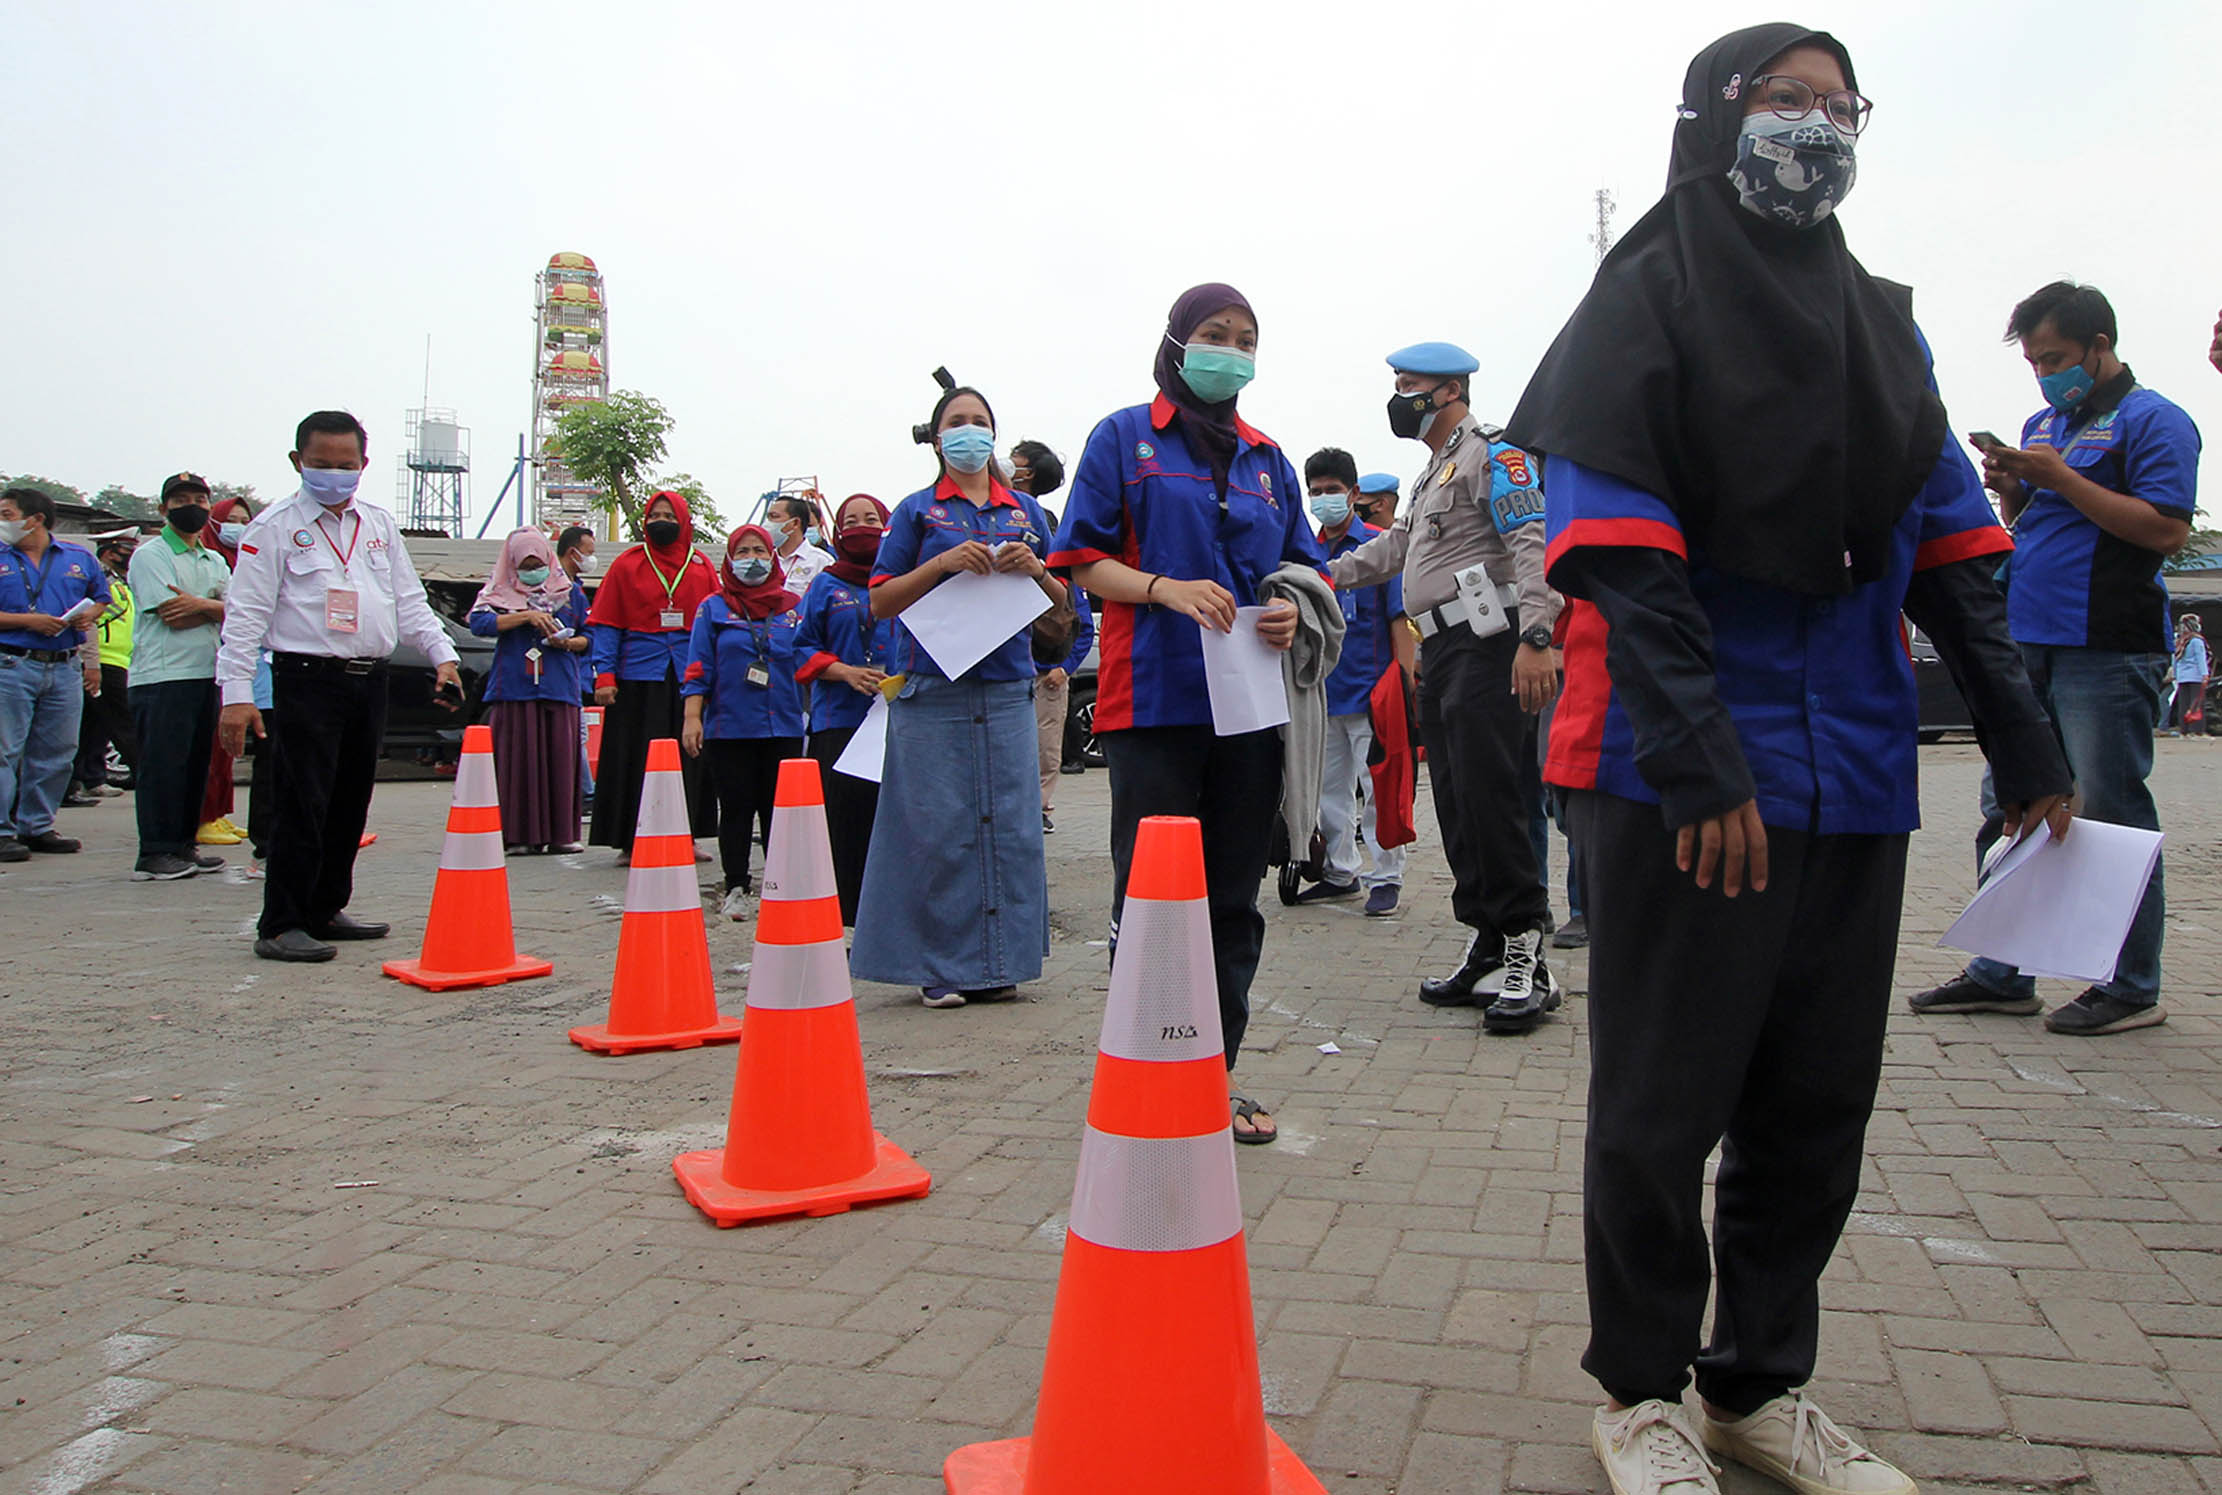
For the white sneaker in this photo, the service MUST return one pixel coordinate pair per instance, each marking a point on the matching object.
(735, 906)
(941, 996)
(1792, 1440)
(1649, 1449)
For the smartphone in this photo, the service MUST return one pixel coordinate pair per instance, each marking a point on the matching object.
(1986, 442)
(448, 695)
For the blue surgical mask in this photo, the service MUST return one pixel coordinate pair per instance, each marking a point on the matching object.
(750, 570)
(532, 576)
(812, 536)
(1330, 509)
(2066, 390)
(967, 448)
(1216, 374)
(333, 487)
(231, 532)
(1792, 171)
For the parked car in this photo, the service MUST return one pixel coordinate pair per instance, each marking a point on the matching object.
(416, 724)
(1080, 715)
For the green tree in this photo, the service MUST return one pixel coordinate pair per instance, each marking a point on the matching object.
(218, 492)
(614, 444)
(709, 525)
(60, 492)
(2199, 545)
(117, 499)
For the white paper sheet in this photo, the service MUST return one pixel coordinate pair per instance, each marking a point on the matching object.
(866, 755)
(1243, 674)
(2061, 908)
(84, 612)
(970, 616)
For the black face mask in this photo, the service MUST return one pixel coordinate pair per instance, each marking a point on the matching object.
(662, 531)
(188, 519)
(1408, 413)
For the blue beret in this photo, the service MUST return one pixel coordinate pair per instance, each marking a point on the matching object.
(1377, 482)
(1446, 360)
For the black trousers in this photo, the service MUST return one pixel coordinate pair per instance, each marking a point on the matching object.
(260, 795)
(176, 719)
(327, 728)
(1756, 1023)
(1480, 765)
(745, 772)
(1232, 785)
(108, 719)
(850, 805)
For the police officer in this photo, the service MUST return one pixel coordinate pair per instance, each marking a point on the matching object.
(1376, 500)
(1469, 548)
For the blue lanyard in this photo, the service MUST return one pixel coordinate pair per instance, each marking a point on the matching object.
(36, 600)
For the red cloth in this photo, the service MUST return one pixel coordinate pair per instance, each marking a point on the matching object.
(222, 514)
(632, 595)
(855, 573)
(1396, 776)
(769, 595)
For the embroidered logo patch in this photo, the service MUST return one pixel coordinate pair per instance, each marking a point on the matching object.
(1143, 451)
(304, 539)
(1735, 87)
(1266, 480)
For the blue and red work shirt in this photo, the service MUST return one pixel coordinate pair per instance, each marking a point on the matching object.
(1139, 496)
(2073, 583)
(1369, 616)
(837, 628)
(1820, 690)
(722, 652)
(60, 579)
(561, 675)
(941, 518)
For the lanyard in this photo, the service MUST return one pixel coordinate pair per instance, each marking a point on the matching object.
(671, 587)
(352, 541)
(44, 573)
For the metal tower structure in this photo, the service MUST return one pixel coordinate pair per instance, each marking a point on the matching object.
(570, 366)
(1601, 240)
(435, 461)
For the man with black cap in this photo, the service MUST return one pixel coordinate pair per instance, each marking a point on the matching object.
(181, 583)
(1469, 548)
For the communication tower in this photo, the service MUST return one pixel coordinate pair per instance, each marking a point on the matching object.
(570, 366)
(435, 459)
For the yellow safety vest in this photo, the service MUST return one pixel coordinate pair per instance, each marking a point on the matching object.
(116, 625)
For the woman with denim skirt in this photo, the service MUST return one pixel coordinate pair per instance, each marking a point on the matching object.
(956, 892)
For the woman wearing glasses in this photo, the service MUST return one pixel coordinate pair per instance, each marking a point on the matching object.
(1750, 477)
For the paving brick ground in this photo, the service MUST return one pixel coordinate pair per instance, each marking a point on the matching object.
(518, 1298)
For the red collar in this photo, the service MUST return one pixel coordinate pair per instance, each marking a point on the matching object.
(1163, 410)
(997, 494)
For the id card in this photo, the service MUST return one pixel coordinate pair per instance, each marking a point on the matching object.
(342, 613)
(671, 618)
(758, 676)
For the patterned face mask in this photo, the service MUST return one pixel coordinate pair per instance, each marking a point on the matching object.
(1792, 171)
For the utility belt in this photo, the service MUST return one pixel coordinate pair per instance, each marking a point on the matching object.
(43, 656)
(326, 664)
(1482, 606)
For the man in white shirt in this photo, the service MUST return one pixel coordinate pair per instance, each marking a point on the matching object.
(801, 544)
(325, 584)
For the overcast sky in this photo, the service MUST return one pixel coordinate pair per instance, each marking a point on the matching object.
(223, 216)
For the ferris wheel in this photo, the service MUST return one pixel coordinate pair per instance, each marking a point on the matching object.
(570, 362)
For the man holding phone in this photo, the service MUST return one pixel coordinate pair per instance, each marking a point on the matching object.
(326, 585)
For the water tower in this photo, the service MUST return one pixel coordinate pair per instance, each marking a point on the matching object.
(570, 366)
(436, 457)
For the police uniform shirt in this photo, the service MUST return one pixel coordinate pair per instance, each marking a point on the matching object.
(291, 562)
(1476, 503)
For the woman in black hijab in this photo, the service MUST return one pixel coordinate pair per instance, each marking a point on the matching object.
(1750, 475)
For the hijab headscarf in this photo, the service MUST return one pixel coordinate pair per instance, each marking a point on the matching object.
(855, 573)
(1751, 375)
(766, 597)
(632, 595)
(1208, 430)
(222, 514)
(504, 593)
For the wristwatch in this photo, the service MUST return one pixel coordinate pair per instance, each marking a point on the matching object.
(1537, 637)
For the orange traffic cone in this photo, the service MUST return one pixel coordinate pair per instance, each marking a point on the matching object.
(799, 1139)
(467, 938)
(661, 997)
(1151, 1379)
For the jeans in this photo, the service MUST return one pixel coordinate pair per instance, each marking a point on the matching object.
(1343, 780)
(41, 705)
(2103, 703)
(176, 719)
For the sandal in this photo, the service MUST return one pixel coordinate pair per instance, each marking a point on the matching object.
(1246, 1109)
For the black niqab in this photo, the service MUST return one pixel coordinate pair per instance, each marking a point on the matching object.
(1751, 375)
(1207, 429)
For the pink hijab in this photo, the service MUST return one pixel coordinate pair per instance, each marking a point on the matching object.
(504, 593)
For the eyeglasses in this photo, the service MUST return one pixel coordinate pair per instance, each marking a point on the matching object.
(1794, 98)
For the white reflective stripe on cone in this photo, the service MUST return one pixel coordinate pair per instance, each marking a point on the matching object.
(799, 864)
(796, 977)
(663, 806)
(1156, 1193)
(474, 782)
(1164, 1003)
(662, 890)
(471, 851)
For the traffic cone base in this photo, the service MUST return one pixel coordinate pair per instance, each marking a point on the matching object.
(412, 971)
(1000, 1469)
(894, 1175)
(598, 1038)
(467, 936)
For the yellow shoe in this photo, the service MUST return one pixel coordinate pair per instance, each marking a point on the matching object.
(219, 833)
(237, 830)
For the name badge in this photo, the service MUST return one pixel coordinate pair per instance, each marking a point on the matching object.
(758, 676)
(342, 612)
(671, 618)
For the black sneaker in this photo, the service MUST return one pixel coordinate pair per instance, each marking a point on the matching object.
(78, 798)
(2095, 1014)
(1530, 991)
(1049, 827)
(207, 861)
(1323, 892)
(163, 869)
(1572, 935)
(52, 844)
(12, 850)
(1477, 980)
(1963, 993)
